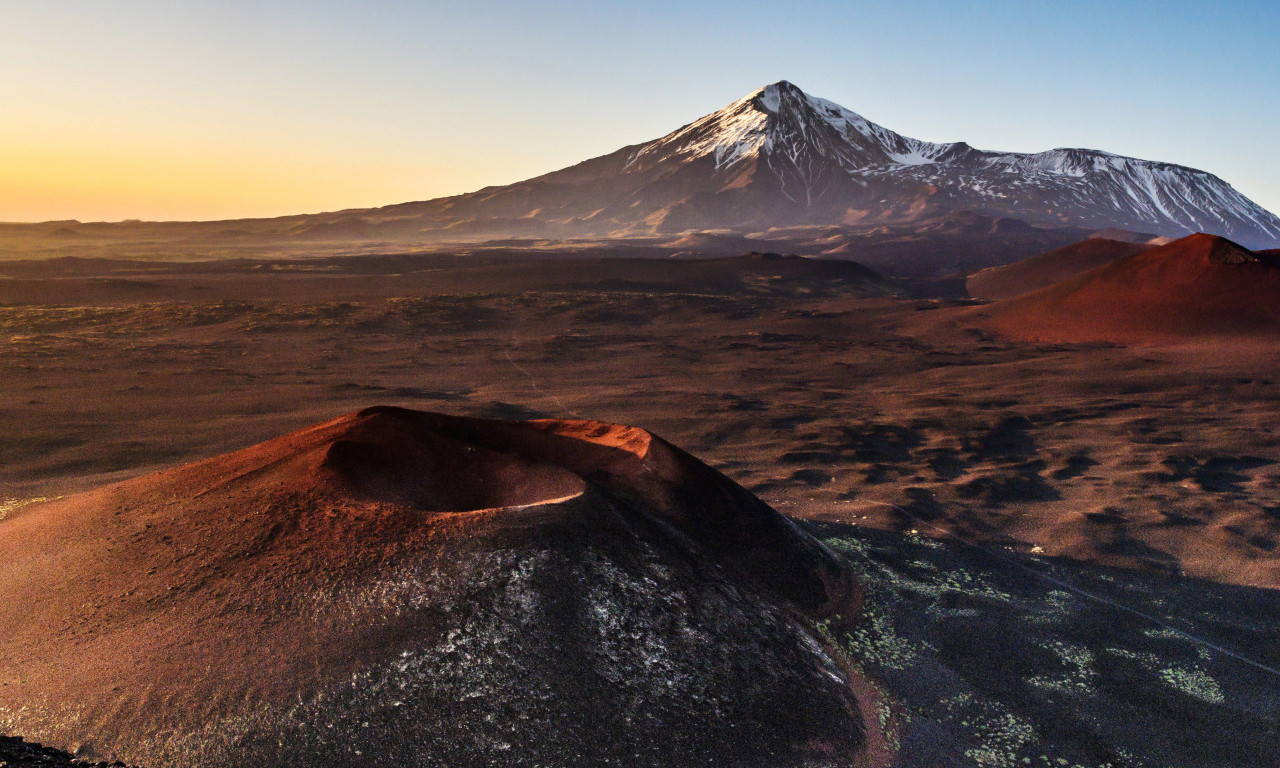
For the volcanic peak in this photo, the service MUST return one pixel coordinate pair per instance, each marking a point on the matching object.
(1218, 250)
(796, 156)
(1198, 251)
(782, 118)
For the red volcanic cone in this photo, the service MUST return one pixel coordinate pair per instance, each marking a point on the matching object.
(1199, 286)
(403, 588)
(1048, 268)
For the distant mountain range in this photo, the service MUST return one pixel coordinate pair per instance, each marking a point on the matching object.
(778, 163)
(780, 157)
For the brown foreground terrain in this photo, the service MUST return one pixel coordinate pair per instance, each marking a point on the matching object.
(1070, 550)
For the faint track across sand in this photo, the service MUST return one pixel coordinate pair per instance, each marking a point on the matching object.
(533, 383)
(1018, 563)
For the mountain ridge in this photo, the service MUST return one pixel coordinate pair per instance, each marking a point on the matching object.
(777, 158)
(781, 157)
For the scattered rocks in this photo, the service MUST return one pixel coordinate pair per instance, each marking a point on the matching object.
(17, 753)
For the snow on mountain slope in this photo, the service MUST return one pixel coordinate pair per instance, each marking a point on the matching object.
(797, 142)
(782, 158)
(781, 121)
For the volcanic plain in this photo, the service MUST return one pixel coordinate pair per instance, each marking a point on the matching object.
(1070, 550)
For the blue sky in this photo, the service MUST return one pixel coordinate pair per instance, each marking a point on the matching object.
(206, 110)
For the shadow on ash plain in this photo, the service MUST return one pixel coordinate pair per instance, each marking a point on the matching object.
(992, 659)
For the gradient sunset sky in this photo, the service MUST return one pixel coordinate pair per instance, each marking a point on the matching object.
(204, 110)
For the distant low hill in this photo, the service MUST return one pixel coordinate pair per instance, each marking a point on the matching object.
(1198, 286)
(1041, 271)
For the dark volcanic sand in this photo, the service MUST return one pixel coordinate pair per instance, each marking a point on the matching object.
(868, 413)
(17, 753)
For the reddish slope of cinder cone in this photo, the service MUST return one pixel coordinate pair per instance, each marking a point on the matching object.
(1198, 287)
(397, 587)
(1048, 268)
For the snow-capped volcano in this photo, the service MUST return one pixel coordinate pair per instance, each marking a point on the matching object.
(784, 124)
(780, 157)
(812, 149)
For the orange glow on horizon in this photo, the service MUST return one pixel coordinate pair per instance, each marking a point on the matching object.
(50, 172)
